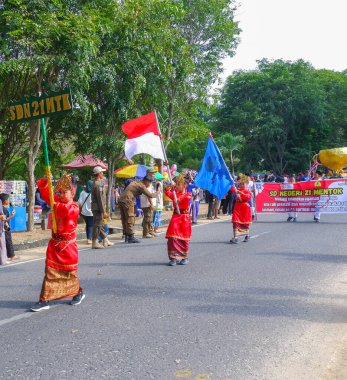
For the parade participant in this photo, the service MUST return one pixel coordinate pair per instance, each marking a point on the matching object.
(61, 278)
(126, 205)
(179, 231)
(99, 209)
(293, 214)
(5, 199)
(242, 214)
(3, 251)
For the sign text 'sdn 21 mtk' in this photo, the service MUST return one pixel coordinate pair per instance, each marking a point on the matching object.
(46, 105)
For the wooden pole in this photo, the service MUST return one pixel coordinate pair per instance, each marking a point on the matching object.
(167, 163)
(48, 174)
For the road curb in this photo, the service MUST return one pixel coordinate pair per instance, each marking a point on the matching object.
(81, 235)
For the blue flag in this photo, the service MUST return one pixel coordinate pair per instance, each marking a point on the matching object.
(214, 175)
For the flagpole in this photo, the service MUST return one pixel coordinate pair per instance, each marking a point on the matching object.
(167, 162)
(48, 174)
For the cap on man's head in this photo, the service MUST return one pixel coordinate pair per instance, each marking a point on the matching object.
(98, 169)
(149, 179)
(150, 170)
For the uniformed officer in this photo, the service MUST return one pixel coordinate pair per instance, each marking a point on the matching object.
(126, 204)
(99, 209)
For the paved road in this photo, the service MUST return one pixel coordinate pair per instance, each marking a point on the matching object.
(274, 308)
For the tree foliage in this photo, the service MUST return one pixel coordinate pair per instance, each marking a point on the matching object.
(286, 111)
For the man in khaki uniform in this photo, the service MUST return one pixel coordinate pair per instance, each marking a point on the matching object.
(126, 205)
(99, 209)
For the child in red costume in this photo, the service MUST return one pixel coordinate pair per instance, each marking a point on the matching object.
(61, 278)
(179, 231)
(242, 215)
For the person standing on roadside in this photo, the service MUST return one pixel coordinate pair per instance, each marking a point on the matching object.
(3, 251)
(5, 199)
(210, 199)
(85, 203)
(158, 209)
(292, 215)
(147, 206)
(99, 209)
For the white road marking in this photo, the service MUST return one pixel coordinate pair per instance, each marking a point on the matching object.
(21, 262)
(27, 314)
(262, 233)
(24, 315)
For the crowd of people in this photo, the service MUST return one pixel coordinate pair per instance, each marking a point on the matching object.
(139, 196)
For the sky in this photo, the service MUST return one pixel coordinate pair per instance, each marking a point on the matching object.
(314, 30)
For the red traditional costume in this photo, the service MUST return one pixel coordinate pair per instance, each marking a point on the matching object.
(179, 231)
(61, 279)
(242, 215)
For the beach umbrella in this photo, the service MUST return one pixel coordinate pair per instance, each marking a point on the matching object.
(131, 171)
(137, 171)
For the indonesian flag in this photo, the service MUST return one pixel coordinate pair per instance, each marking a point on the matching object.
(143, 137)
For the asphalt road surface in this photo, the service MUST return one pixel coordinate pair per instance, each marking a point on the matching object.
(272, 308)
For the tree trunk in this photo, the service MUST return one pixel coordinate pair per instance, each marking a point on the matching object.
(160, 165)
(111, 165)
(34, 146)
(110, 180)
(232, 163)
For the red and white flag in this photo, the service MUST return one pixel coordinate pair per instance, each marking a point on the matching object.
(143, 137)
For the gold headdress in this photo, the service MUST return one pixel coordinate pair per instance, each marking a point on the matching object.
(65, 183)
(243, 179)
(183, 178)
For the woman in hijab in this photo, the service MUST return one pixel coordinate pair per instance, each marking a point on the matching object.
(85, 203)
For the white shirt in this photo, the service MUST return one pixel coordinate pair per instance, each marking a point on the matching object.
(85, 199)
(144, 199)
(159, 200)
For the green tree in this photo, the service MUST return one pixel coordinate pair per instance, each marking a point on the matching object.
(228, 144)
(280, 109)
(44, 45)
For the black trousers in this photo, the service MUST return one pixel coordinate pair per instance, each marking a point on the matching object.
(9, 244)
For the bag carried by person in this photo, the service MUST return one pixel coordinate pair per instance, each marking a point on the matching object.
(81, 207)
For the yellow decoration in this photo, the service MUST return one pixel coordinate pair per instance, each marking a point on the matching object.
(65, 183)
(243, 179)
(335, 159)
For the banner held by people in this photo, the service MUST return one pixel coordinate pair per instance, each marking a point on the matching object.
(214, 175)
(327, 196)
